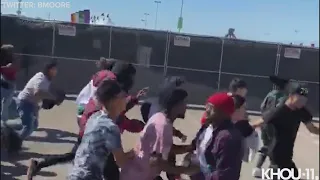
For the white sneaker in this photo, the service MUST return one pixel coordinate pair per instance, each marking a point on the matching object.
(257, 173)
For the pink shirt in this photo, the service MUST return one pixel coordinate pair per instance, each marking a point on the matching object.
(157, 136)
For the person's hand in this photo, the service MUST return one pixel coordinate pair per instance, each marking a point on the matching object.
(142, 92)
(183, 138)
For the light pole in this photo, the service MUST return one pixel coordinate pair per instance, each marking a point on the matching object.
(180, 18)
(145, 20)
(157, 3)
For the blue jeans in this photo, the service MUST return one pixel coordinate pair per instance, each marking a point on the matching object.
(28, 113)
(6, 99)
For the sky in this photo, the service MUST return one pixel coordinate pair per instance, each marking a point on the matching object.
(284, 21)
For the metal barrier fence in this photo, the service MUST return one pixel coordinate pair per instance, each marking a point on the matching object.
(208, 64)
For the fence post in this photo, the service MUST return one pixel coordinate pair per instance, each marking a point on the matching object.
(220, 65)
(166, 55)
(110, 41)
(53, 38)
(278, 57)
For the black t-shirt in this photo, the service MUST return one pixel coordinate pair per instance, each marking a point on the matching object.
(286, 123)
(244, 127)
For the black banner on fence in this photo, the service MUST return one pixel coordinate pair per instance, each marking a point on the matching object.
(27, 35)
(204, 53)
(139, 46)
(190, 56)
(248, 57)
(89, 42)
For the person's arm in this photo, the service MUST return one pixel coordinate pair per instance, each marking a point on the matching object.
(132, 125)
(307, 120)
(179, 134)
(113, 142)
(181, 149)
(257, 123)
(226, 165)
(131, 102)
(42, 89)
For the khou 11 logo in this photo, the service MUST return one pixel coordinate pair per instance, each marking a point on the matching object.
(288, 173)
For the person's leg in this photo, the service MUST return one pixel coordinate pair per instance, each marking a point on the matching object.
(264, 151)
(111, 169)
(172, 160)
(36, 166)
(6, 99)
(26, 112)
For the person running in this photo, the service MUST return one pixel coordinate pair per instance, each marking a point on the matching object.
(102, 136)
(237, 86)
(218, 143)
(88, 91)
(246, 128)
(156, 141)
(8, 77)
(286, 119)
(37, 89)
(273, 99)
(122, 70)
(151, 106)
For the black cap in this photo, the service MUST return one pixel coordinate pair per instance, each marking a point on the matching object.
(297, 88)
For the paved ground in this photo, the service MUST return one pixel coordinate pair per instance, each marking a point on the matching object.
(57, 134)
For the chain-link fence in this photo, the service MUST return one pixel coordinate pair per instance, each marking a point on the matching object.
(208, 64)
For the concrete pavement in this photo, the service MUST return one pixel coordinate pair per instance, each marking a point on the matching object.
(58, 130)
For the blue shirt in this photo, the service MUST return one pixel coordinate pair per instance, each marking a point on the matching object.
(100, 138)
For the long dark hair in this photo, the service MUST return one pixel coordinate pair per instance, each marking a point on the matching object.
(48, 67)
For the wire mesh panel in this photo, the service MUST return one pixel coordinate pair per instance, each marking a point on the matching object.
(200, 85)
(73, 74)
(313, 100)
(203, 53)
(151, 77)
(138, 46)
(258, 88)
(248, 57)
(89, 41)
(29, 36)
(304, 68)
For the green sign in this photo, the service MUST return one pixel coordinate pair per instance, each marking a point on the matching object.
(180, 23)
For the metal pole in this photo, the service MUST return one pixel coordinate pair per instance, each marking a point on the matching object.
(53, 38)
(181, 10)
(220, 65)
(146, 19)
(156, 21)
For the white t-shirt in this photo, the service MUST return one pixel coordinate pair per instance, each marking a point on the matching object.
(38, 82)
(86, 93)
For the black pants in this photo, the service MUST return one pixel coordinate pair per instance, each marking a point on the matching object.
(111, 169)
(110, 172)
(284, 162)
(59, 159)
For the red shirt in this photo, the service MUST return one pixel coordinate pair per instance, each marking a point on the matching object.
(10, 73)
(93, 106)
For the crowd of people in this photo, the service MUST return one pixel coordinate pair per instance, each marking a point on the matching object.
(226, 139)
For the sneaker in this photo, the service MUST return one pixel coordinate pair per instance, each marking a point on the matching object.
(32, 170)
(257, 173)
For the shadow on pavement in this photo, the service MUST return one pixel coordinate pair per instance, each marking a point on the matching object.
(16, 169)
(54, 136)
(11, 172)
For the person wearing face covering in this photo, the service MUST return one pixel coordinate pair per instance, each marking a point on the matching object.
(218, 143)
